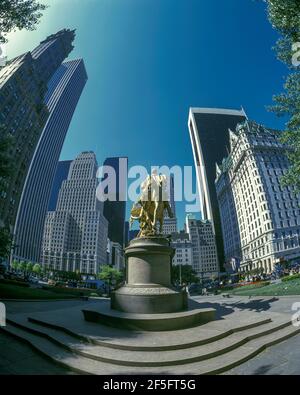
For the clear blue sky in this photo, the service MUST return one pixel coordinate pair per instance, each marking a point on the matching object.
(148, 61)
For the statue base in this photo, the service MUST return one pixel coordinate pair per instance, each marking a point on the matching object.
(148, 288)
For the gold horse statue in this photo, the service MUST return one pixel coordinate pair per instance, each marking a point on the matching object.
(150, 208)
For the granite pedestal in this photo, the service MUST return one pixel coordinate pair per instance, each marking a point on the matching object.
(148, 301)
(148, 288)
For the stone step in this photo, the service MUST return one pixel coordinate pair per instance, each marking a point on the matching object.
(150, 341)
(151, 358)
(214, 365)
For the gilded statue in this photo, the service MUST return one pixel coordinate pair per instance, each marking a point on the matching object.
(150, 208)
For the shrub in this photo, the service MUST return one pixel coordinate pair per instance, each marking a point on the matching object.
(14, 282)
(290, 278)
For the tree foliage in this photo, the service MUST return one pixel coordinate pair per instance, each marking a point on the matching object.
(22, 266)
(37, 268)
(19, 14)
(5, 243)
(188, 275)
(110, 275)
(285, 18)
(29, 267)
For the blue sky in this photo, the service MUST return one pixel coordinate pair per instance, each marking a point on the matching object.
(148, 61)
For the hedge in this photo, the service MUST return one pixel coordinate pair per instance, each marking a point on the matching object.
(290, 278)
(14, 282)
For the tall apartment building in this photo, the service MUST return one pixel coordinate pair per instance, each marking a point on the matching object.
(210, 143)
(268, 214)
(183, 249)
(170, 224)
(75, 234)
(204, 249)
(64, 91)
(24, 113)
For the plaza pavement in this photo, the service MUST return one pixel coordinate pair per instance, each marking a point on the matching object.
(284, 358)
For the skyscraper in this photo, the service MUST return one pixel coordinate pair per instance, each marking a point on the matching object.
(75, 234)
(61, 175)
(64, 90)
(23, 111)
(115, 211)
(210, 143)
(204, 249)
(268, 214)
(170, 224)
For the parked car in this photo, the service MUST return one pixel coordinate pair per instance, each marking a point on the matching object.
(33, 280)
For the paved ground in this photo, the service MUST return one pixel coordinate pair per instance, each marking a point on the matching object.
(18, 358)
(284, 358)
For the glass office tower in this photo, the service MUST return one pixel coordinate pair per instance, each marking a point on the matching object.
(208, 129)
(64, 91)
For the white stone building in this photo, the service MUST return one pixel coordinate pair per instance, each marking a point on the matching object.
(183, 249)
(204, 249)
(267, 214)
(75, 234)
(115, 255)
(170, 224)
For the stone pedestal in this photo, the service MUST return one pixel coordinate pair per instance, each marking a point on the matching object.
(148, 288)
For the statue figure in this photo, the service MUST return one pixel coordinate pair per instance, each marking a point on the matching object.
(151, 205)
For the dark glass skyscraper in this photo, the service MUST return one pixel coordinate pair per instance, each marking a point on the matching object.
(210, 142)
(64, 90)
(115, 211)
(23, 110)
(61, 174)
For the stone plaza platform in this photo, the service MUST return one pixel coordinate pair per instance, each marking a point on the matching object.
(66, 338)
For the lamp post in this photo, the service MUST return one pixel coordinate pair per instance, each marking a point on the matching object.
(180, 275)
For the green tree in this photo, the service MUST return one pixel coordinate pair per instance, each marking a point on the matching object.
(29, 267)
(19, 14)
(188, 275)
(110, 275)
(22, 266)
(37, 268)
(5, 243)
(285, 18)
(15, 265)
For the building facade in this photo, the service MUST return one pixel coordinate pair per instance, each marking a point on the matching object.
(115, 255)
(183, 248)
(24, 113)
(268, 214)
(61, 174)
(115, 206)
(64, 91)
(210, 143)
(229, 219)
(204, 249)
(75, 234)
(170, 224)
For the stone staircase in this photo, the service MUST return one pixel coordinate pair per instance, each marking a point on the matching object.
(212, 348)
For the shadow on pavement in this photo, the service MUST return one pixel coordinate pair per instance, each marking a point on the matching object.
(221, 309)
(254, 305)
